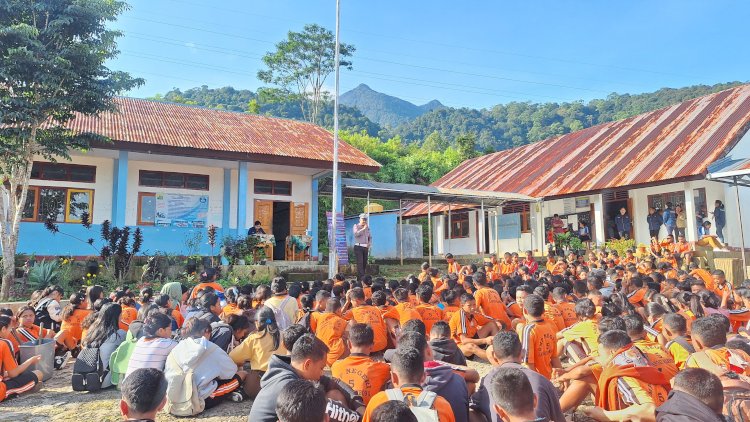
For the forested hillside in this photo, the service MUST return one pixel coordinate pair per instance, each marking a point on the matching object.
(383, 109)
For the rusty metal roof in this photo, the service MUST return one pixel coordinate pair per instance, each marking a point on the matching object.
(181, 129)
(675, 142)
(730, 170)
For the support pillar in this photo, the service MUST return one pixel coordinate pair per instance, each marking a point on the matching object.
(120, 190)
(225, 208)
(314, 220)
(600, 229)
(242, 194)
(401, 230)
(691, 228)
(429, 231)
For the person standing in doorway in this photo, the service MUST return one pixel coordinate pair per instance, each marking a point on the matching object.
(362, 242)
(720, 218)
(669, 219)
(680, 220)
(623, 223)
(654, 222)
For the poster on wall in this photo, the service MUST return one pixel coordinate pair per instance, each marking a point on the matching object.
(179, 210)
(341, 250)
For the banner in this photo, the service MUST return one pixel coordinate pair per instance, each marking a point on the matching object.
(179, 210)
(341, 249)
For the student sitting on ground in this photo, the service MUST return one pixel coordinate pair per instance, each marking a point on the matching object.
(676, 339)
(215, 374)
(629, 387)
(429, 313)
(307, 361)
(152, 350)
(258, 348)
(697, 396)
(73, 315)
(104, 334)
(210, 308)
(15, 379)
(47, 309)
(366, 376)
(470, 329)
(709, 338)
(512, 396)
(356, 310)
(144, 394)
(580, 340)
(538, 338)
(507, 352)
(489, 302)
(398, 315)
(330, 328)
(302, 401)
(656, 354)
(443, 346)
(407, 375)
(27, 330)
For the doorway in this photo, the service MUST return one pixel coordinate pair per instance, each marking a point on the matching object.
(281, 229)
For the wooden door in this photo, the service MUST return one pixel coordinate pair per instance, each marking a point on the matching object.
(264, 213)
(632, 220)
(299, 218)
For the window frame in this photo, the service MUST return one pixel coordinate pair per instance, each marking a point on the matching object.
(273, 187)
(140, 221)
(69, 192)
(67, 167)
(462, 221)
(665, 197)
(184, 176)
(524, 211)
(35, 192)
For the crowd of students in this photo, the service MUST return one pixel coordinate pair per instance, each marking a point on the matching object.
(646, 338)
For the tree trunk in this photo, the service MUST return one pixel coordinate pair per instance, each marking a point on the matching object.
(9, 274)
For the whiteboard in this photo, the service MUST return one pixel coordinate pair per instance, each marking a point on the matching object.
(508, 226)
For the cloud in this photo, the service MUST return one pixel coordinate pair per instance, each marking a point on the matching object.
(191, 45)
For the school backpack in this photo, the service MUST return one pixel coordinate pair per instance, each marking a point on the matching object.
(282, 319)
(182, 391)
(421, 406)
(41, 314)
(88, 370)
(118, 361)
(737, 405)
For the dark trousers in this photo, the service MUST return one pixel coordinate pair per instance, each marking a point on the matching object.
(360, 255)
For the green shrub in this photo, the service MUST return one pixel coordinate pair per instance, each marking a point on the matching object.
(44, 274)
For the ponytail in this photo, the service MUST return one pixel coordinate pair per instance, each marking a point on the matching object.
(266, 321)
(695, 306)
(76, 299)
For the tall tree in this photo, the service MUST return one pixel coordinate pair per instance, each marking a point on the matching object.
(52, 56)
(302, 63)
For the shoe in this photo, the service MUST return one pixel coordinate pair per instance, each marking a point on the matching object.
(62, 360)
(236, 396)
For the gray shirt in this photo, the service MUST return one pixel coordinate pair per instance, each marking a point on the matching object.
(362, 235)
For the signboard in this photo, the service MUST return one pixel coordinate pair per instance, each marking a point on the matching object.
(341, 250)
(509, 226)
(583, 202)
(178, 210)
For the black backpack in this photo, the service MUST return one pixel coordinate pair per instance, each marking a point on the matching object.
(88, 371)
(41, 315)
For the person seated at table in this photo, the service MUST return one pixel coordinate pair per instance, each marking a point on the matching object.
(256, 229)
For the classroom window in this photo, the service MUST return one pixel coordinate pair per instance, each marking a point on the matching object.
(524, 212)
(146, 208)
(459, 225)
(659, 201)
(61, 205)
(272, 187)
(162, 179)
(63, 172)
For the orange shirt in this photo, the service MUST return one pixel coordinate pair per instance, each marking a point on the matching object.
(423, 276)
(329, 328)
(629, 260)
(468, 325)
(178, 318)
(507, 268)
(8, 363)
(370, 315)
(366, 376)
(704, 275)
(402, 312)
(670, 260)
(554, 316)
(719, 360)
(568, 312)
(637, 296)
(430, 314)
(443, 408)
(73, 324)
(489, 302)
(454, 268)
(32, 333)
(128, 315)
(681, 247)
(658, 356)
(539, 345)
(739, 318)
(231, 309)
(367, 291)
(449, 310)
(514, 310)
(216, 286)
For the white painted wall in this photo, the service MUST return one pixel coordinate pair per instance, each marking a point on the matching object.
(215, 192)
(465, 246)
(301, 189)
(731, 231)
(102, 187)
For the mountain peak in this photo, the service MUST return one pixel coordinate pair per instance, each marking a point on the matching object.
(385, 109)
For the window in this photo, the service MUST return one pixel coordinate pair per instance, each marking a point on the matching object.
(146, 208)
(523, 209)
(459, 225)
(63, 172)
(161, 179)
(61, 205)
(273, 187)
(659, 201)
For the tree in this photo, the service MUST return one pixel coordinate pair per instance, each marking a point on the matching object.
(301, 64)
(52, 55)
(467, 145)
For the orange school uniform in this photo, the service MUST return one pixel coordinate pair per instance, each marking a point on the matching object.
(329, 328)
(454, 268)
(468, 325)
(430, 314)
(443, 408)
(719, 360)
(31, 333)
(402, 312)
(370, 315)
(568, 312)
(216, 286)
(489, 302)
(366, 376)
(658, 356)
(554, 316)
(539, 345)
(128, 315)
(73, 326)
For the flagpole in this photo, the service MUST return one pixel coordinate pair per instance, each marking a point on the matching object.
(333, 258)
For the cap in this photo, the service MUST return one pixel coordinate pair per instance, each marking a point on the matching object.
(363, 216)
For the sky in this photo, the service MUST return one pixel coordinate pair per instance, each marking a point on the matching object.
(465, 54)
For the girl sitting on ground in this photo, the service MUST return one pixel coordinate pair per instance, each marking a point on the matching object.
(240, 328)
(16, 379)
(178, 292)
(106, 335)
(47, 307)
(164, 303)
(73, 314)
(152, 350)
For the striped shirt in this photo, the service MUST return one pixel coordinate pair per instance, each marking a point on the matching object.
(150, 354)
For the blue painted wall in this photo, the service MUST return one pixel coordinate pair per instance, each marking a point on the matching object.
(34, 238)
(383, 227)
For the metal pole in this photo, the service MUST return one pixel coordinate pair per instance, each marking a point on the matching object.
(401, 231)
(429, 231)
(481, 236)
(450, 229)
(333, 254)
(742, 229)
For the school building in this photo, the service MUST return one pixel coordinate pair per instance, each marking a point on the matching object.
(174, 170)
(640, 162)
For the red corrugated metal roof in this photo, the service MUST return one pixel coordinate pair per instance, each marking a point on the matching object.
(154, 123)
(671, 143)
